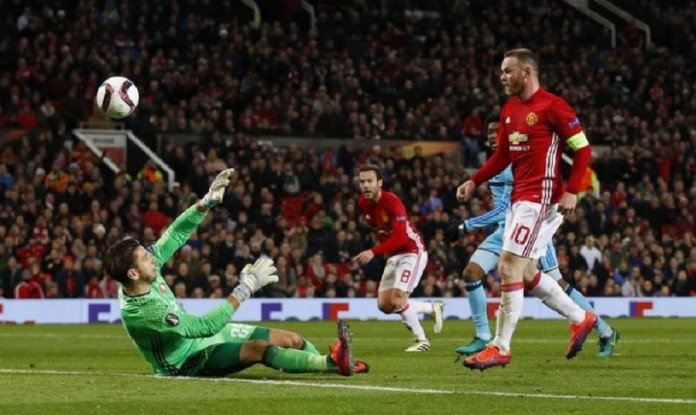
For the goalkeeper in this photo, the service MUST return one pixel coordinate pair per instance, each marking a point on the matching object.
(176, 343)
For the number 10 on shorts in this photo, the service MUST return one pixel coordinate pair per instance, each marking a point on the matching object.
(520, 234)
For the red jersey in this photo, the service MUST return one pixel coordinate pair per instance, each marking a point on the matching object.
(28, 289)
(532, 136)
(390, 222)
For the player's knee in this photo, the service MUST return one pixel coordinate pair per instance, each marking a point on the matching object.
(472, 274)
(529, 274)
(286, 339)
(386, 306)
(506, 269)
(295, 341)
(253, 351)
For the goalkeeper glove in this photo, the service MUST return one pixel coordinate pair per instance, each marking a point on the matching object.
(217, 189)
(455, 231)
(254, 277)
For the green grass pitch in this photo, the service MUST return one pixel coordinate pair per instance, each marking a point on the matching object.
(95, 369)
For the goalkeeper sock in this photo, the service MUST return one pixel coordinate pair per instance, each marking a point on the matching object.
(308, 347)
(296, 361)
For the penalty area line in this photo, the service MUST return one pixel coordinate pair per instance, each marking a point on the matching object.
(367, 388)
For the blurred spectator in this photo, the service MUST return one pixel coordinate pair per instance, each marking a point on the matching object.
(93, 289)
(590, 253)
(71, 283)
(28, 288)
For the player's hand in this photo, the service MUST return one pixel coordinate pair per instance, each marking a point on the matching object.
(364, 257)
(260, 274)
(455, 231)
(466, 190)
(217, 189)
(567, 204)
(254, 277)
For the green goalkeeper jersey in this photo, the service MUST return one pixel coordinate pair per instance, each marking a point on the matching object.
(160, 328)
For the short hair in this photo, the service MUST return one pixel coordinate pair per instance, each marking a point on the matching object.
(371, 167)
(494, 116)
(120, 258)
(524, 56)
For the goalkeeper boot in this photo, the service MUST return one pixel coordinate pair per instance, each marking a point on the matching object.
(490, 356)
(579, 332)
(438, 307)
(361, 366)
(475, 346)
(341, 353)
(607, 344)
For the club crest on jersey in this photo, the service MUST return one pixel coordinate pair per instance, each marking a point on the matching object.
(163, 288)
(507, 120)
(516, 137)
(531, 119)
(385, 217)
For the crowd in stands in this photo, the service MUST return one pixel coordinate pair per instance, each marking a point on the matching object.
(366, 74)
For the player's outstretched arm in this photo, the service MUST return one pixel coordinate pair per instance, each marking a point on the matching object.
(494, 165)
(165, 321)
(183, 226)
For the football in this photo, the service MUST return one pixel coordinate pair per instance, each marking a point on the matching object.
(117, 97)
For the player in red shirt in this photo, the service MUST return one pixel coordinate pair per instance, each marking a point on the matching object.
(535, 126)
(406, 255)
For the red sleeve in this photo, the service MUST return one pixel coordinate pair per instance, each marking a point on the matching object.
(563, 119)
(497, 162)
(566, 123)
(581, 160)
(500, 158)
(399, 219)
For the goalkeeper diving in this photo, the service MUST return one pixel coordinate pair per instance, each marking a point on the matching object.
(176, 343)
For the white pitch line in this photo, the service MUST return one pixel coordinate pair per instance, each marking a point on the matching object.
(358, 340)
(368, 388)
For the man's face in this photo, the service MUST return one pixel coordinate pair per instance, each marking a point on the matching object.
(492, 134)
(513, 75)
(369, 184)
(145, 265)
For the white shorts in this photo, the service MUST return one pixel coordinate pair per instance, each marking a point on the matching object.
(403, 272)
(528, 230)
